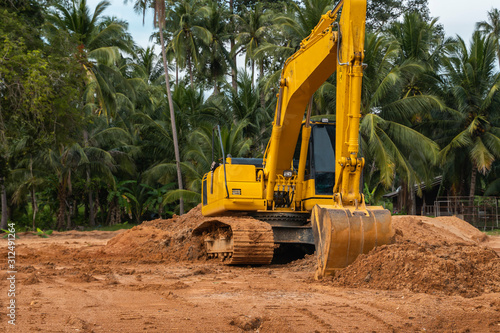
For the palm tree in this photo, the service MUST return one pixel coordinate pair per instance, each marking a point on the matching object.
(418, 38)
(198, 154)
(97, 39)
(63, 162)
(300, 20)
(244, 106)
(215, 55)
(106, 150)
(185, 23)
(100, 40)
(390, 143)
(234, 69)
(471, 135)
(27, 177)
(160, 23)
(253, 32)
(193, 110)
(492, 27)
(140, 7)
(147, 65)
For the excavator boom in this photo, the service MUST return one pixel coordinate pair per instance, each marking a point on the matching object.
(310, 169)
(347, 228)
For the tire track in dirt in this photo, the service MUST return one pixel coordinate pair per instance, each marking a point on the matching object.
(285, 318)
(373, 313)
(369, 314)
(317, 319)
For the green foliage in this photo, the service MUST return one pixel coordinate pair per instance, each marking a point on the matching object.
(43, 234)
(7, 232)
(115, 227)
(381, 13)
(495, 232)
(85, 128)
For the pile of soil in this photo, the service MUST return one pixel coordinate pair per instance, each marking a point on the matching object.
(431, 255)
(167, 239)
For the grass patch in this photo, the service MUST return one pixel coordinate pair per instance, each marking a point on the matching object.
(494, 232)
(115, 227)
(118, 226)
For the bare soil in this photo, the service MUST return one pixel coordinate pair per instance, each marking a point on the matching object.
(438, 275)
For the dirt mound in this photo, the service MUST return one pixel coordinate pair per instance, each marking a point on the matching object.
(442, 255)
(455, 226)
(190, 220)
(140, 241)
(308, 263)
(169, 240)
(432, 255)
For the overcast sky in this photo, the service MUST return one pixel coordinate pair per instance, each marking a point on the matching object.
(457, 16)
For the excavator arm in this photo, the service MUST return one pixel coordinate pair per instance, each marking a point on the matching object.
(347, 228)
(342, 226)
(303, 73)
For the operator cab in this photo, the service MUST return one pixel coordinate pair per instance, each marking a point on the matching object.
(321, 152)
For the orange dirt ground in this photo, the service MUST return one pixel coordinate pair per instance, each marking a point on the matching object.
(438, 275)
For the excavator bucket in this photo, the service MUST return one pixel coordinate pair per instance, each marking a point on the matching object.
(341, 234)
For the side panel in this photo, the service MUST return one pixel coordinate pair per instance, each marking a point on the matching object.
(245, 191)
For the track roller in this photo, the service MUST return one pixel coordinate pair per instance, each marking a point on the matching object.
(237, 241)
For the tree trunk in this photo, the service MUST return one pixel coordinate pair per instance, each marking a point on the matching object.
(98, 207)
(176, 73)
(34, 205)
(498, 54)
(5, 213)
(413, 203)
(68, 217)
(91, 201)
(216, 87)
(113, 213)
(70, 206)
(85, 210)
(261, 75)
(62, 206)
(403, 203)
(472, 190)
(91, 210)
(253, 71)
(190, 69)
(160, 210)
(234, 69)
(172, 120)
(234, 73)
(88, 185)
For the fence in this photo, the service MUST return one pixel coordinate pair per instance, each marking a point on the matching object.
(483, 213)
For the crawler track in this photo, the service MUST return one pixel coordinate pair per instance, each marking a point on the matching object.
(249, 242)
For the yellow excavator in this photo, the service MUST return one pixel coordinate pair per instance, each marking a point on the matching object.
(306, 189)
